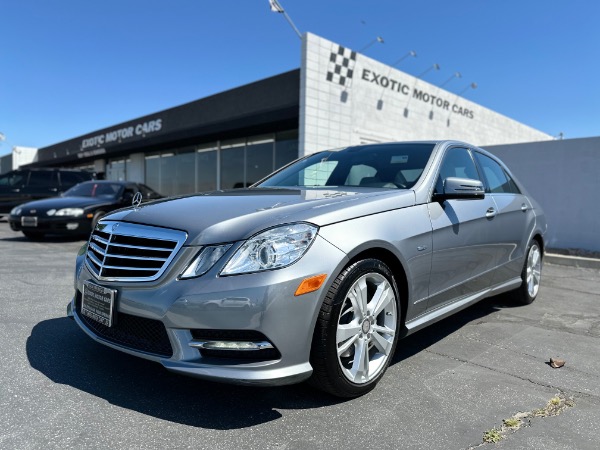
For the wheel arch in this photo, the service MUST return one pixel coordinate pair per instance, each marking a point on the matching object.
(395, 265)
(540, 240)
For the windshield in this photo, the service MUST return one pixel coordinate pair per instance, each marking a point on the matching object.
(383, 166)
(93, 189)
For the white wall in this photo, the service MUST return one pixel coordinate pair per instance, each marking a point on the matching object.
(23, 155)
(564, 177)
(376, 103)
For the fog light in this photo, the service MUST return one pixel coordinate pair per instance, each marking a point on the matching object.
(72, 226)
(231, 345)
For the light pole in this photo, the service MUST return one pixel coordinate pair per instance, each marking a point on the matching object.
(473, 85)
(435, 66)
(452, 77)
(276, 7)
(410, 53)
(470, 86)
(373, 42)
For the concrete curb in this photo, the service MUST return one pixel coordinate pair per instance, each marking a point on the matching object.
(573, 261)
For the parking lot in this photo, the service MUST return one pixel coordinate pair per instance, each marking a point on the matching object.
(446, 387)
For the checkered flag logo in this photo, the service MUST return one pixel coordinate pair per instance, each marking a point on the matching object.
(341, 66)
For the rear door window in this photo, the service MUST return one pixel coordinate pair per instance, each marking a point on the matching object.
(498, 181)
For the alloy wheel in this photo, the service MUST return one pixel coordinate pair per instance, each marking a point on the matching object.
(366, 328)
(534, 270)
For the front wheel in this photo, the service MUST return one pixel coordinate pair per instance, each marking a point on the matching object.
(531, 275)
(357, 330)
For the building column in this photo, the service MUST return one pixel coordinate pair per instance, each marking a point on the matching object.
(136, 168)
(100, 167)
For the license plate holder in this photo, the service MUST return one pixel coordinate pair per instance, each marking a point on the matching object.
(29, 221)
(98, 302)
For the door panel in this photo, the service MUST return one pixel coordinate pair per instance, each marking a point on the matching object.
(515, 216)
(464, 250)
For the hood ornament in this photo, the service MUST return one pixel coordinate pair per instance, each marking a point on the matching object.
(137, 200)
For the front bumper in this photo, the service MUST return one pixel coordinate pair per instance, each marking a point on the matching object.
(54, 225)
(255, 303)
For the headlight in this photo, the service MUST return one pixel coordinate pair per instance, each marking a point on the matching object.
(272, 249)
(202, 263)
(15, 211)
(73, 212)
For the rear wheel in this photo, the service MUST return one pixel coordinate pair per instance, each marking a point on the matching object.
(356, 332)
(531, 275)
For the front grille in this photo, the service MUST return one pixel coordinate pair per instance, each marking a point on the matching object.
(120, 251)
(133, 332)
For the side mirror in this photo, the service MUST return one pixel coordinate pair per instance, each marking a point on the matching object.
(461, 188)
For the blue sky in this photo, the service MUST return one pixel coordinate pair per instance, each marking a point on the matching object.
(69, 67)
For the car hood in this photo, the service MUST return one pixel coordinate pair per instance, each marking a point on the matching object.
(227, 216)
(65, 202)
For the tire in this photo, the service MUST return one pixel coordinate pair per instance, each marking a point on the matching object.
(531, 276)
(33, 235)
(97, 216)
(351, 347)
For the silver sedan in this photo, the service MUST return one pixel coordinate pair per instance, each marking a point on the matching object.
(317, 271)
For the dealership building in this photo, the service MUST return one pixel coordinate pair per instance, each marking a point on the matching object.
(232, 139)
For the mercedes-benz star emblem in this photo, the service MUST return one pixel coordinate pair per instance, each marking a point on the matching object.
(137, 199)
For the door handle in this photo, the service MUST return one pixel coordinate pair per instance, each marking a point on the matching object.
(491, 212)
(54, 189)
(524, 207)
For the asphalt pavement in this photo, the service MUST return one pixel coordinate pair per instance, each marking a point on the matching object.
(448, 386)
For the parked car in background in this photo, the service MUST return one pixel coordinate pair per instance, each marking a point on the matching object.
(22, 185)
(315, 272)
(78, 210)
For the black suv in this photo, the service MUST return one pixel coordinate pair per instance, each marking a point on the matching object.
(22, 185)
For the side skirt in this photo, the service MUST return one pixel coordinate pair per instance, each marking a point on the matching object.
(430, 317)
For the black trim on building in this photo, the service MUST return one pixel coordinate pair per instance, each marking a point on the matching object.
(265, 106)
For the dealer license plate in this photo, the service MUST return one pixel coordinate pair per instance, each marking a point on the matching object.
(98, 303)
(29, 221)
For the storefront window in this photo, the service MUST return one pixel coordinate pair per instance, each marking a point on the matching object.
(259, 159)
(115, 170)
(206, 169)
(153, 172)
(168, 174)
(232, 164)
(286, 148)
(186, 173)
(228, 164)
